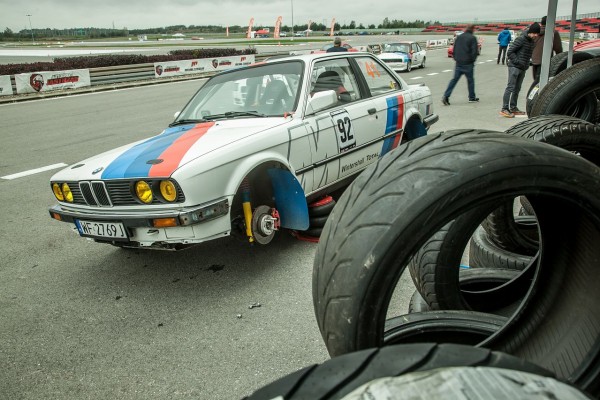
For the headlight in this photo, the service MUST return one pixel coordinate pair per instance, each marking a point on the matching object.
(168, 190)
(143, 192)
(66, 190)
(57, 192)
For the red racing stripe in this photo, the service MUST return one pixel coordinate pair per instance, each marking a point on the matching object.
(173, 154)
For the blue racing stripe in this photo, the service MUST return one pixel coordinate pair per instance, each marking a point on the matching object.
(391, 123)
(133, 163)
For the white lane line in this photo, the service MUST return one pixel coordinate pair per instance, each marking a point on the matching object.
(489, 60)
(447, 70)
(417, 77)
(33, 171)
(433, 73)
(481, 62)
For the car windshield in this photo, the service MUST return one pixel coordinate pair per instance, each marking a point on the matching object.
(396, 48)
(266, 90)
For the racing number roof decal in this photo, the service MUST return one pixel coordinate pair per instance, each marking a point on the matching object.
(170, 146)
(395, 119)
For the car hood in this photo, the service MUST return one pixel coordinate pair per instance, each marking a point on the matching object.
(161, 155)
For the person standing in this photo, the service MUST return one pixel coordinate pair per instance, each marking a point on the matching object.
(465, 54)
(518, 56)
(504, 38)
(538, 49)
(337, 46)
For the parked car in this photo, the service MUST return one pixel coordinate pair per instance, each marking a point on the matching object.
(403, 56)
(246, 155)
(479, 45)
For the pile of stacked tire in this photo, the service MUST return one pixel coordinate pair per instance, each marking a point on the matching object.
(500, 233)
(318, 212)
(573, 91)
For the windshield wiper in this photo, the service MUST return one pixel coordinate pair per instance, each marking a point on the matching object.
(186, 121)
(233, 114)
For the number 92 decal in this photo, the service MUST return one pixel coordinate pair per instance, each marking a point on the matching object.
(344, 130)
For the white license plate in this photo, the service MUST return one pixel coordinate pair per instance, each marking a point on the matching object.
(109, 230)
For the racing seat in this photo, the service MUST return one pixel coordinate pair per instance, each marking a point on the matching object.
(274, 99)
(331, 80)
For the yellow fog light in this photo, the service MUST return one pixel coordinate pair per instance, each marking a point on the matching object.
(143, 192)
(57, 192)
(168, 190)
(67, 192)
(164, 222)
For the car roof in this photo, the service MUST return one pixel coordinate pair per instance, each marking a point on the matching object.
(310, 57)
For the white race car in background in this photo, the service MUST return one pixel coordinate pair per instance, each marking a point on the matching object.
(403, 56)
(247, 153)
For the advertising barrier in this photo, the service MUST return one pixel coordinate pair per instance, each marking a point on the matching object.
(5, 86)
(437, 43)
(182, 67)
(34, 82)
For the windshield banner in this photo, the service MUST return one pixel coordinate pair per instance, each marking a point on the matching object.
(5, 86)
(184, 67)
(34, 82)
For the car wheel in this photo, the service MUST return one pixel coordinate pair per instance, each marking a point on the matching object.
(420, 187)
(339, 376)
(409, 66)
(423, 62)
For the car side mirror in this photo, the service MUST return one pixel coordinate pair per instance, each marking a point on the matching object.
(320, 101)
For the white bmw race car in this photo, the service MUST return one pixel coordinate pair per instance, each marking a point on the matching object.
(247, 153)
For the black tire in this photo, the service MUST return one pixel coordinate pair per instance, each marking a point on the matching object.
(558, 63)
(484, 253)
(532, 95)
(423, 62)
(337, 377)
(571, 92)
(417, 303)
(420, 187)
(516, 234)
(459, 327)
(569, 133)
(317, 209)
(409, 66)
(443, 285)
(318, 222)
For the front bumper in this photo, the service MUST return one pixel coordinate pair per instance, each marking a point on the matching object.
(397, 65)
(190, 224)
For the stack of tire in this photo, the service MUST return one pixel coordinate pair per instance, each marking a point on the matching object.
(318, 212)
(523, 204)
(573, 91)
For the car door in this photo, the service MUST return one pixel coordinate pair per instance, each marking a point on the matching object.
(338, 135)
(388, 98)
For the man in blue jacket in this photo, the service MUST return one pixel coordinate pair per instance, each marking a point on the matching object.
(465, 54)
(503, 41)
(518, 56)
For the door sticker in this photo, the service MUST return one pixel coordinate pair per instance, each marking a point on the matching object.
(344, 130)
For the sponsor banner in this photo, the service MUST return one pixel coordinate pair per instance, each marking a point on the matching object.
(437, 42)
(183, 67)
(33, 82)
(5, 86)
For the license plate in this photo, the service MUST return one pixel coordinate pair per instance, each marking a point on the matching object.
(98, 229)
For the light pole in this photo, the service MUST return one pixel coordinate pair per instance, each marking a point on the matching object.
(30, 28)
(292, 1)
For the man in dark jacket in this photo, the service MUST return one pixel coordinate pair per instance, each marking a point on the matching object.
(504, 38)
(465, 54)
(518, 56)
(536, 57)
(337, 46)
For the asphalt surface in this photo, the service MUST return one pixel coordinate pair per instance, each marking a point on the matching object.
(81, 320)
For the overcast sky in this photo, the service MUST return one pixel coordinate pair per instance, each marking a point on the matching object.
(138, 14)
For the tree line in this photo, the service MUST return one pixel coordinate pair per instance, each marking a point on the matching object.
(99, 33)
